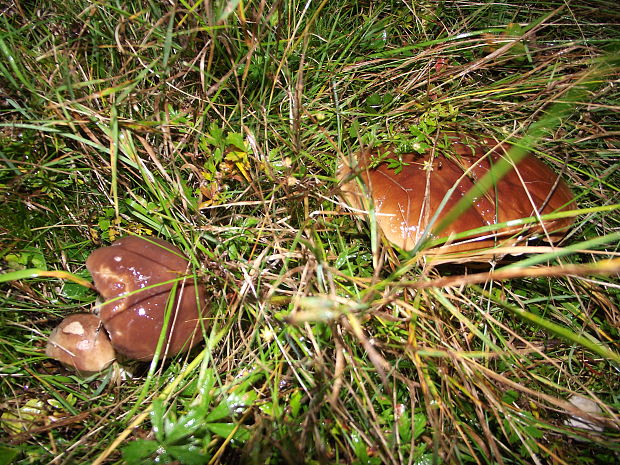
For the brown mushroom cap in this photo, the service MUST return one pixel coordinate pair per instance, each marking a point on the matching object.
(80, 342)
(405, 202)
(130, 273)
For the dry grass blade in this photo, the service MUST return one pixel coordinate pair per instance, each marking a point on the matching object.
(602, 267)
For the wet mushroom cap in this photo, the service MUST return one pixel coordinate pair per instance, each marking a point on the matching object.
(137, 275)
(406, 201)
(81, 343)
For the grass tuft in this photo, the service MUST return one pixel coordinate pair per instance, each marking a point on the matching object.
(219, 126)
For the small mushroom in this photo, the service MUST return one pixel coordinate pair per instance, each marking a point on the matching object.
(405, 201)
(81, 343)
(588, 406)
(135, 275)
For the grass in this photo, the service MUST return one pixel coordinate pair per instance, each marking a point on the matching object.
(220, 127)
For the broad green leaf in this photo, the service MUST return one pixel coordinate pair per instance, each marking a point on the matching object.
(136, 451)
(419, 424)
(295, 403)
(235, 139)
(224, 430)
(189, 454)
(219, 412)
(186, 425)
(8, 454)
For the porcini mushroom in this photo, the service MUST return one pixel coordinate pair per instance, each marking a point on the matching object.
(136, 276)
(81, 343)
(405, 201)
(588, 406)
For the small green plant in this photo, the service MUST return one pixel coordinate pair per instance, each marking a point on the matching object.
(227, 159)
(419, 138)
(189, 438)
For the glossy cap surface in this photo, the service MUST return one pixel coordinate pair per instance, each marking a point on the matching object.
(405, 202)
(136, 276)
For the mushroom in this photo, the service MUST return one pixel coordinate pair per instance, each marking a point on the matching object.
(406, 201)
(588, 406)
(81, 343)
(136, 276)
